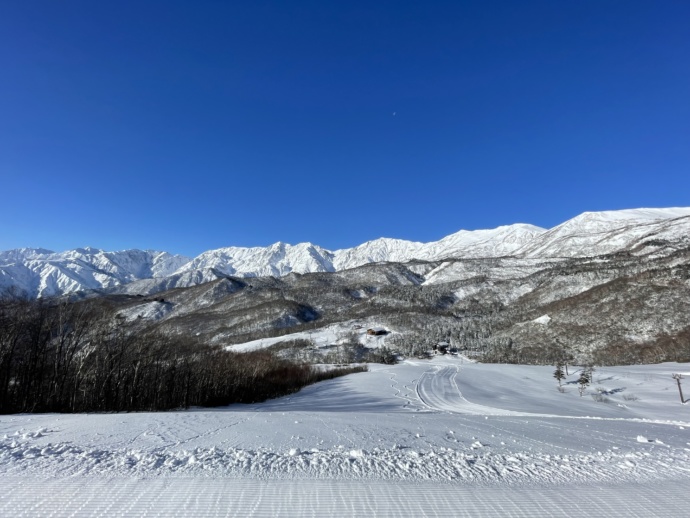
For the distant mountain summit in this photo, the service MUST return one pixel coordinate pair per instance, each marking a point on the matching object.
(597, 233)
(41, 273)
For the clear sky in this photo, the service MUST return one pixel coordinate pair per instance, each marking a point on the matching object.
(191, 125)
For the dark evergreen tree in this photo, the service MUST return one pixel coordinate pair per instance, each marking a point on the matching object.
(584, 380)
(558, 374)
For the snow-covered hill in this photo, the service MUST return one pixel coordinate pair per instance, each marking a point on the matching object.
(44, 273)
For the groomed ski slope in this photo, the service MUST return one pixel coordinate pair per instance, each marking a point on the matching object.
(445, 437)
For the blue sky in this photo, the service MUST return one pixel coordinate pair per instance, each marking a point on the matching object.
(186, 126)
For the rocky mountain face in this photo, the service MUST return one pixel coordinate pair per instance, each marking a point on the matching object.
(42, 273)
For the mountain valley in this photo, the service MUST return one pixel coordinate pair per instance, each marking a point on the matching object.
(610, 287)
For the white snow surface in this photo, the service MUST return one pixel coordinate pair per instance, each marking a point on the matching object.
(597, 233)
(44, 273)
(543, 320)
(151, 310)
(424, 438)
(41, 272)
(322, 338)
(277, 260)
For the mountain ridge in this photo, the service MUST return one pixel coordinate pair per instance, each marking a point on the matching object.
(41, 272)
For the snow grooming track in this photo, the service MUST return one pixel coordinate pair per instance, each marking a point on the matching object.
(437, 389)
(210, 498)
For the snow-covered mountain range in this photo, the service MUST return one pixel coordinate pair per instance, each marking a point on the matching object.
(41, 272)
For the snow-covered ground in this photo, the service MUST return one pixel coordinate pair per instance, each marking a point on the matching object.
(322, 338)
(425, 438)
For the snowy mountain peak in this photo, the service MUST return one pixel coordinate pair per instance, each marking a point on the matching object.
(277, 259)
(41, 272)
(639, 215)
(604, 221)
(87, 250)
(596, 233)
(22, 254)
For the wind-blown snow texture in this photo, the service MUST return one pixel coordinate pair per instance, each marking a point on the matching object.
(41, 272)
(443, 429)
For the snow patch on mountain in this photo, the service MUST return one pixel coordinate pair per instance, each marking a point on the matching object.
(543, 320)
(151, 310)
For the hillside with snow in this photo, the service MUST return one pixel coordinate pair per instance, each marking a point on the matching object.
(42, 273)
(447, 437)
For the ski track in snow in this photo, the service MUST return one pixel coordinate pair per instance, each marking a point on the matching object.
(406, 424)
(438, 390)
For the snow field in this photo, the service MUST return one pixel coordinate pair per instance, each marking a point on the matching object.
(421, 437)
(475, 462)
(322, 338)
(210, 498)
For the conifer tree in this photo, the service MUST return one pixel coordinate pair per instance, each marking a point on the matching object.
(558, 374)
(584, 380)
